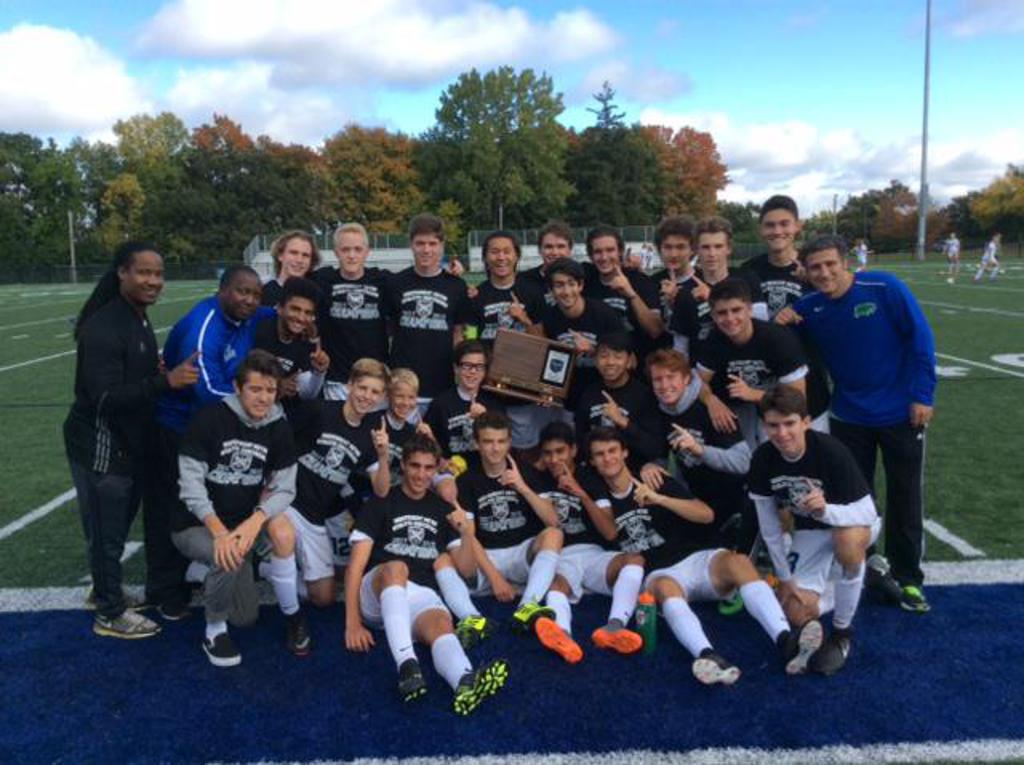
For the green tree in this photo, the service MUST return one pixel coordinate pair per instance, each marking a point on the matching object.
(497, 149)
(743, 217)
(1000, 205)
(607, 113)
(122, 205)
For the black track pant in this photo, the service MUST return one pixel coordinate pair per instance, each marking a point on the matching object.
(165, 565)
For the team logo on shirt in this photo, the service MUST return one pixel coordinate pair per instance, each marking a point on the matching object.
(241, 460)
(568, 510)
(640, 535)
(754, 372)
(329, 463)
(240, 464)
(496, 513)
(356, 299)
(424, 309)
(863, 310)
(790, 490)
(412, 537)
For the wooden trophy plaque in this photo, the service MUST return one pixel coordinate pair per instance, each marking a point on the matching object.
(530, 368)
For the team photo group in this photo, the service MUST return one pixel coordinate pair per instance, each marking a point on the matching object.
(333, 433)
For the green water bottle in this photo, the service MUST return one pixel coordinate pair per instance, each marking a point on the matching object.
(647, 621)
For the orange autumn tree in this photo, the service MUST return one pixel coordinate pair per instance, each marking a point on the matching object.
(692, 167)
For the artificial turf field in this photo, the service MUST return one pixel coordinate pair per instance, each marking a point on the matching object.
(943, 687)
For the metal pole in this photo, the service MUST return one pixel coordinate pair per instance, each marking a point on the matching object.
(71, 247)
(922, 197)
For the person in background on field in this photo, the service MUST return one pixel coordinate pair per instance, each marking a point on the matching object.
(295, 254)
(952, 250)
(861, 251)
(107, 433)
(990, 259)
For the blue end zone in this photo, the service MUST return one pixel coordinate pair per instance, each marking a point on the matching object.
(954, 674)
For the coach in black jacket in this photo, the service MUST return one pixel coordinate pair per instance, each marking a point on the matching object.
(118, 377)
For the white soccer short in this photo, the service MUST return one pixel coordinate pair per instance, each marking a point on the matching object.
(812, 557)
(338, 529)
(585, 567)
(314, 551)
(421, 599)
(693, 574)
(512, 562)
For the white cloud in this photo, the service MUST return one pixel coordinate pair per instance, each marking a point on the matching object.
(636, 84)
(56, 81)
(395, 42)
(979, 17)
(811, 165)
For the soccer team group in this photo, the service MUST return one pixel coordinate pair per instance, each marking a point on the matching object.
(332, 423)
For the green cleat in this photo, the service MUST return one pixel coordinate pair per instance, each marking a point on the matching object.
(912, 599)
(477, 686)
(732, 606)
(472, 629)
(528, 613)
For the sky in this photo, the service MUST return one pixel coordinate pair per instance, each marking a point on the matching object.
(814, 98)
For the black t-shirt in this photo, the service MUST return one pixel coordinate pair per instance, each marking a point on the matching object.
(724, 492)
(771, 354)
(331, 453)
(415, 531)
(826, 464)
(572, 516)
(353, 318)
(449, 420)
(272, 293)
(294, 356)
(596, 320)
(780, 284)
(491, 304)
(692, 318)
(502, 515)
(239, 459)
(425, 310)
(638, 404)
(644, 286)
(539, 281)
(655, 532)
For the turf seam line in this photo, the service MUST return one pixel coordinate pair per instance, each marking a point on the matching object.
(959, 544)
(34, 515)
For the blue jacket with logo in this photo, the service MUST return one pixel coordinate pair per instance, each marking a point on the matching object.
(222, 343)
(878, 346)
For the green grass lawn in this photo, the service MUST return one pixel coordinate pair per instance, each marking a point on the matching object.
(972, 481)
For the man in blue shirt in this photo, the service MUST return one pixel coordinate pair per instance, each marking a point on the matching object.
(880, 353)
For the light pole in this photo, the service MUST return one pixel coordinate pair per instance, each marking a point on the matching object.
(922, 197)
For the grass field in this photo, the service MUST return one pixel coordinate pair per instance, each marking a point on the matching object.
(973, 487)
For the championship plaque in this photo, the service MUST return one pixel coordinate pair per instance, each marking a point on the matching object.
(530, 368)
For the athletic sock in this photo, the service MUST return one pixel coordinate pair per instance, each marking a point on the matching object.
(685, 626)
(848, 590)
(563, 611)
(761, 603)
(455, 593)
(450, 660)
(282, 577)
(542, 573)
(394, 609)
(215, 628)
(625, 592)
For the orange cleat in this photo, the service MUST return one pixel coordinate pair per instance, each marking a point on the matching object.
(621, 641)
(554, 638)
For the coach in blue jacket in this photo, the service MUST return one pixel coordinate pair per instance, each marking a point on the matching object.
(880, 353)
(218, 333)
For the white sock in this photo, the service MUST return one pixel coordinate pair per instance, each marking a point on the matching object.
(761, 603)
(625, 592)
(685, 625)
(563, 611)
(848, 590)
(282, 576)
(450, 660)
(263, 569)
(542, 573)
(215, 628)
(455, 593)
(394, 609)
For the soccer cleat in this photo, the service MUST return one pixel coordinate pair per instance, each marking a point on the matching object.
(472, 629)
(173, 612)
(797, 646)
(554, 638)
(912, 599)
(474, 687)
(411, 684)
(128, 626)
(221, 651)
(732, 606)
(832, 655)
(528, 613)
(880, 582)
(622, 640)
(710, 669)
(298, 638)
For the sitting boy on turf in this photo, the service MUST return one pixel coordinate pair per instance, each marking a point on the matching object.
(809, 481)
(237, 477)
(670, 529)
(586, 565)
(395, 542)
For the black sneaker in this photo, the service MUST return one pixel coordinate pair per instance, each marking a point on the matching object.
(299, 641)
(797, 646)
(879, 581)
(411, 684)
(832, 655)
(221, 651)
(474, 687)
(173, 612)
(709, 668)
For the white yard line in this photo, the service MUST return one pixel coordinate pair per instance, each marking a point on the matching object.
(69, 318)
(943, 534)
(130, 548)
(20, 337)
(52, 356)
(34, 515)
(973, 309)
(959, 360)
(969, 286)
